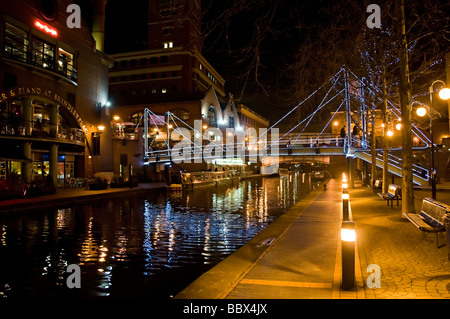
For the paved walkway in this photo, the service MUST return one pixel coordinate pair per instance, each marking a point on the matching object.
(411, 265)
(299, 255)
(72, 195)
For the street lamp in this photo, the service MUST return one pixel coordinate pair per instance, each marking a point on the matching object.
(444, 94)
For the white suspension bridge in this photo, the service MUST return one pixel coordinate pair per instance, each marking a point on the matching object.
(344, 94)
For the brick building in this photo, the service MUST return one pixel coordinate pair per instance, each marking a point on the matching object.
(171, 75)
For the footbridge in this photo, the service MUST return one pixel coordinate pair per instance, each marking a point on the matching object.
(341, 99)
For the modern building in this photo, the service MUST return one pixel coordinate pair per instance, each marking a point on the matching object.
(54, 90)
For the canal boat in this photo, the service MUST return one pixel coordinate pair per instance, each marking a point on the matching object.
(208, 178)
(174, 187)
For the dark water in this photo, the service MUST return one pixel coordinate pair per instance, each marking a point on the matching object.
(140, 246)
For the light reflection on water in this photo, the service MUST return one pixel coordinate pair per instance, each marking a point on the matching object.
(139, 246)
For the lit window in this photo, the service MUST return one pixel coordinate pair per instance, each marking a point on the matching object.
(168, 45)
(43, 54)
(164, 90)
(65, 64)
(15, 43)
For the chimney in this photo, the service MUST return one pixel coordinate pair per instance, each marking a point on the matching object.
(98, 24)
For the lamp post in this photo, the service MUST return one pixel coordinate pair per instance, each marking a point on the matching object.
(444, 94)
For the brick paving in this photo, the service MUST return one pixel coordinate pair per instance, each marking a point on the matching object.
(412, 267)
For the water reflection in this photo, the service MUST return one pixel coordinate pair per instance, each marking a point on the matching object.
(141, 246)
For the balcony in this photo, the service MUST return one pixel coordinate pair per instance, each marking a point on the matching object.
(41, 131)
(48, 64)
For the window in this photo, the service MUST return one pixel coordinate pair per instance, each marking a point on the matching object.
(231, 121)
(212, 116)
(168, 45)
(164, 59)
(136, 118)
(167, 13)
(164, 90)
(167, 30)
(123, 63)
(16, 43)
(153, 60)
(181, 113)
(65, 64)
(43, 54)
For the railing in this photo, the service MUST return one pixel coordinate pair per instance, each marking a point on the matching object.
(72, 182)
(396, 162)
(124, 135)
(36, 129)
(16, 53)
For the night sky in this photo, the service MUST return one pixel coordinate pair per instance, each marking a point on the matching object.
(273, 25)
(232, 29)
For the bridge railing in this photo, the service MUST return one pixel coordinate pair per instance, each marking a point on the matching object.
(396, 161)
(312, 141)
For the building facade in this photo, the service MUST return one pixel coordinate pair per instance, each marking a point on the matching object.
(54, 90)
(170, 76)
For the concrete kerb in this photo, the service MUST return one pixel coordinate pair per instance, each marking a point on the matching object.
(222, 278)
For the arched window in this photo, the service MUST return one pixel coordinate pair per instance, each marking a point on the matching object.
(212, 116)
(231, 121)
(137, 118)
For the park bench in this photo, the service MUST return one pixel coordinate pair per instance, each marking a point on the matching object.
(431, 217)
(378, 184)
(394, 192)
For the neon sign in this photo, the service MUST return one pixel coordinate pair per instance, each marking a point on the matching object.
(45, 28)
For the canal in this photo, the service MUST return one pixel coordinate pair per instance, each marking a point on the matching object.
(142, 246)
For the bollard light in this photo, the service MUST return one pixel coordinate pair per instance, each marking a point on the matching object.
(345, 199)
(348, 238)
(348, 234)
(344, 185)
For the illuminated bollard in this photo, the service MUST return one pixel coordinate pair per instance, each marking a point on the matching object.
(348, 240)
(345, 199)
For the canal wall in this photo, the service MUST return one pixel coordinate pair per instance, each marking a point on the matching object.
(65, 197)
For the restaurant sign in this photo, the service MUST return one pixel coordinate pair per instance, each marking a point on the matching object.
(38, 91)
